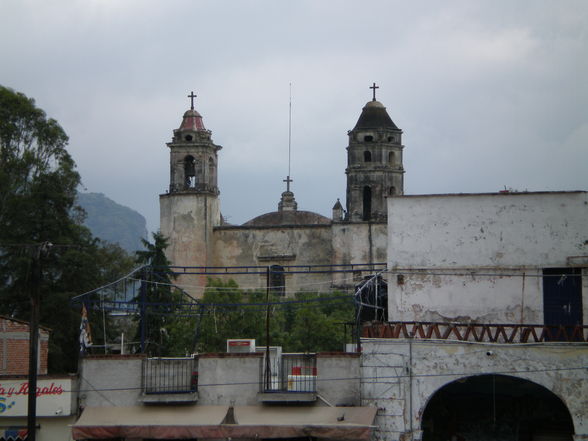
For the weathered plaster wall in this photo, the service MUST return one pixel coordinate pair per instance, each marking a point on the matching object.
(336, 244)
(472, 296)
(358, 242)
(338, 378)
(187, 221)
(275, 245)
(479, 257)
(224, 379)
(111, 380)
(401, 376)
(487, 230)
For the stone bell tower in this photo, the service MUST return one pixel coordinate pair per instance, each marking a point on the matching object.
(190, 208)
(374, 163)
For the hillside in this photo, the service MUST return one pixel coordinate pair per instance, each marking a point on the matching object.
(113, 222)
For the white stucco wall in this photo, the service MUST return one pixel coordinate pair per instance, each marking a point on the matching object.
(111, 380)
(479, 257)
(338, 381)
(487, 230)
(229, 379)
(401, 376)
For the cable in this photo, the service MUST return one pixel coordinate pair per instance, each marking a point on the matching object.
(351, 378)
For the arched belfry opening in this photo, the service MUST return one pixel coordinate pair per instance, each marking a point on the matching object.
(496, 407)
(367, 203)
(211, 172)
(190, 172)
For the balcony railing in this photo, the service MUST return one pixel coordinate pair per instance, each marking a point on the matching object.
(492, 333)
(170, 375)
(290, 373)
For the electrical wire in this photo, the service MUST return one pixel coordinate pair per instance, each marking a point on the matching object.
(363, 379)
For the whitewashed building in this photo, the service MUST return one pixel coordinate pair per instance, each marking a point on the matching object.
(487, 295)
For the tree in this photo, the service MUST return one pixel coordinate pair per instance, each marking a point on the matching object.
(157, 298)
(310, 322)
(38, 186)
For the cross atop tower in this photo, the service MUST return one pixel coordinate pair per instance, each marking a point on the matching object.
(192, 96)
(287, 181)
(374, 87)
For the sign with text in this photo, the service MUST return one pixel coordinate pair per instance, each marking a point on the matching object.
(53, 397)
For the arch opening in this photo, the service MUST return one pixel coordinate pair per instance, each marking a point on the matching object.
(391, 158)
(496, 407)
(189, 172)
(211, 172)
(367, 203)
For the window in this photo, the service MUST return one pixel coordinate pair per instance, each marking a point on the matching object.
(189, 172)
(188, 138)
(368, 138)
(367, 203)
(367, 156)
(392, 191)
(391, 157)
(211, 172)
(277, 280)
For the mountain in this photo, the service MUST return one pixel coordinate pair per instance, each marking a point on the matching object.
(113, 222)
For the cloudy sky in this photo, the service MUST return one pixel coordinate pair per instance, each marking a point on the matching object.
(489, 93)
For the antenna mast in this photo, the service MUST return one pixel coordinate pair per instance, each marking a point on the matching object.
(289, 134)
(288, 180)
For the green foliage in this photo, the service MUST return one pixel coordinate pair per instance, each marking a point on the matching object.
(158, 318)
(38, 185)
(227, 315)
(229, 312)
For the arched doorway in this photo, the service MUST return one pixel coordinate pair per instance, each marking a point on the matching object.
(496, 407)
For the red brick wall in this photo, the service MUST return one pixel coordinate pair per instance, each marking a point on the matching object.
(14, 347)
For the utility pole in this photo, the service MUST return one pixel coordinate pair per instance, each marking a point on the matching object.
(143, 309)
(268, 371)
(36, 276)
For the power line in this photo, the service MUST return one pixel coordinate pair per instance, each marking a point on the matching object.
(353, 378)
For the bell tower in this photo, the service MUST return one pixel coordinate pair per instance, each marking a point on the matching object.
(374, 163)
(190, 208)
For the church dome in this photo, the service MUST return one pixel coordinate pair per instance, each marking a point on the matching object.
(294, 217)
(374, 116)
(192, 121)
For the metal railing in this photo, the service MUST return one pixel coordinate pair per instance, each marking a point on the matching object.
(170, 375)
(290, 373)
(491, 333)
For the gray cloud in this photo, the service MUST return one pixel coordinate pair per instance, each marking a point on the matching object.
(489, 94)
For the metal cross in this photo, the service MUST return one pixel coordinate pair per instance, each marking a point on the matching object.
(287, 181)
(374, 87)
(192, 96)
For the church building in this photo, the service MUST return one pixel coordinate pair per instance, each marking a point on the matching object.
(292, 250)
